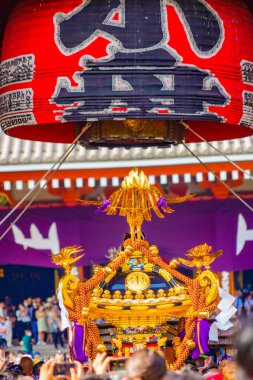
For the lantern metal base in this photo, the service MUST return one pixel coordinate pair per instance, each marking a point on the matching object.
(132, 133)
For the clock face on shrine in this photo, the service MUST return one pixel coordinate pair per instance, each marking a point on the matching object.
(137, 281)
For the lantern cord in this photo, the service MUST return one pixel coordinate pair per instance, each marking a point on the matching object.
(51, 172)
(246, 173)
(218, 178)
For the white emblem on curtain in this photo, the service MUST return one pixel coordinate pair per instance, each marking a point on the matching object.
(37, 240)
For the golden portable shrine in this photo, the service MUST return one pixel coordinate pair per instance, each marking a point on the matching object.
(137, 292)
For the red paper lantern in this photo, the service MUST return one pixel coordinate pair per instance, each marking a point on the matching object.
(137, 66)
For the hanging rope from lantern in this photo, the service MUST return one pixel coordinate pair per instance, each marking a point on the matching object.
(218, 178)
(246, 173)
(51, 172)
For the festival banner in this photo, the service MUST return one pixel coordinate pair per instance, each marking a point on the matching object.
(42, 231)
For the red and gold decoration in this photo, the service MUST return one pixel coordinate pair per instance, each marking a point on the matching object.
(137, 291)
(135, 200)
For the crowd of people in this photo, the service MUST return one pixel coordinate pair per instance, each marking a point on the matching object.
(244, 304)
(32, 317)
(142, 365)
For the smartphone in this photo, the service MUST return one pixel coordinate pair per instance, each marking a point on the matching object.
(117, 364)
(63, 369)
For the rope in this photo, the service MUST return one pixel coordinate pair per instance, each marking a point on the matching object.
(218, 178)
(52, 172)
(246, 173)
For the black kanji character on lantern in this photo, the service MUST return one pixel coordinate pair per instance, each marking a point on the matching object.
(168, 89)
(141, 25)
(141, 75)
